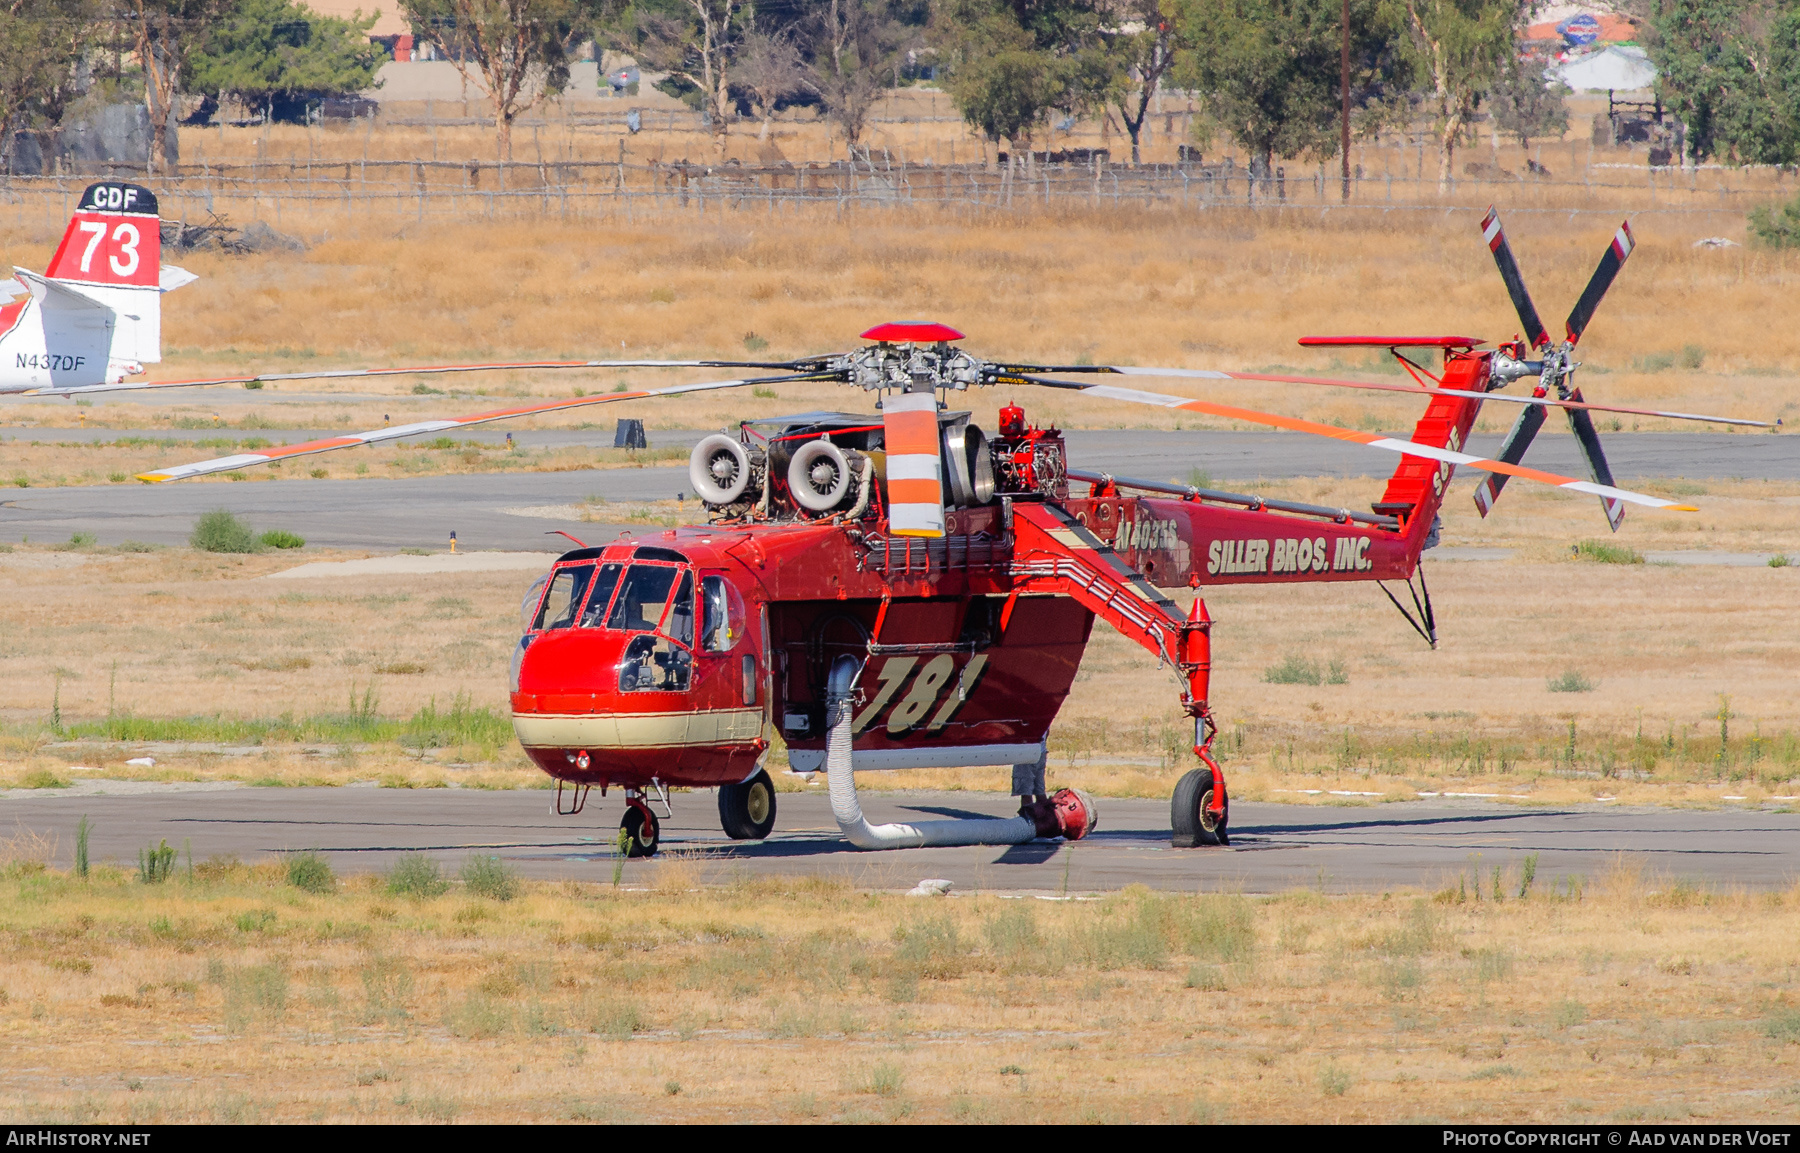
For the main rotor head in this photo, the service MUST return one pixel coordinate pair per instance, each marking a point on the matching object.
(911, 356)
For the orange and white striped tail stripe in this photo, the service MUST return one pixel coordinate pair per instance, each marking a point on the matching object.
(915, 479)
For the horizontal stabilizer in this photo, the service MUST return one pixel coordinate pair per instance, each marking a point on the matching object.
(58, 294)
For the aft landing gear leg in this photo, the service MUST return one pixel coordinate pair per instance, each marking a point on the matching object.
(1200, 810)
(639, 828)
(1028, 781)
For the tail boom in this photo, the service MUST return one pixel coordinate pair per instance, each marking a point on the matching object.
(1198, 540)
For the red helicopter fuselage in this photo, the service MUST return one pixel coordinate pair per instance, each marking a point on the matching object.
(669, 659)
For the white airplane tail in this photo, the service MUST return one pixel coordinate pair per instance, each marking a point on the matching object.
(95, 315)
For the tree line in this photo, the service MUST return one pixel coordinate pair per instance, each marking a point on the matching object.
(1273, 76)
(59, 58)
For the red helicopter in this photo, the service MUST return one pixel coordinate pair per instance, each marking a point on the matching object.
(909, 590)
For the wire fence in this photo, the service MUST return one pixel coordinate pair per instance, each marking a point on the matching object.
(625, 189)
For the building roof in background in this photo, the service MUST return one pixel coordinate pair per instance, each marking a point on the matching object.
(1614, 68)
(389, 23)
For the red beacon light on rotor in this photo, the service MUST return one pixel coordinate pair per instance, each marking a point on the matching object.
(912, 332)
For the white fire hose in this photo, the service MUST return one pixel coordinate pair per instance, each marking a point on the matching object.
(1068, 814)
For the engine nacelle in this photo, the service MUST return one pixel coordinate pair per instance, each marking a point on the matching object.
(722, 470)
(829, 463)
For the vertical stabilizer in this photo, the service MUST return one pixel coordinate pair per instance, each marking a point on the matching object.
(112, 255)
(114, 238)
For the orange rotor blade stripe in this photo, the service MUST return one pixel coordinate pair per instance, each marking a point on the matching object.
(396, 432)
(1392, 444)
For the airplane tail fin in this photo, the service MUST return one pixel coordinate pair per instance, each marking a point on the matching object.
(112, 255)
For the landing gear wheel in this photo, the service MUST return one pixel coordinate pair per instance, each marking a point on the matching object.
(1189, 813)
(747, 811)
(642, 834)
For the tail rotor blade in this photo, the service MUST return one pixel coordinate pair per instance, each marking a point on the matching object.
(1581, 422)
(1512, 451)
(1611, 261)
(1515, 283)
(915, 478)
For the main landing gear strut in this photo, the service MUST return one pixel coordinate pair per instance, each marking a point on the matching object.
(1053, 553)
(747, 810)
(1199, 810)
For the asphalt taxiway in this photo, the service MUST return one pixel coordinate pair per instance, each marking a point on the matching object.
(518, 511)
(1275, 847)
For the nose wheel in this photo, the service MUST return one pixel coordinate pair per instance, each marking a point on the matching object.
(639, 830)
(747, 811)
(1191, 811)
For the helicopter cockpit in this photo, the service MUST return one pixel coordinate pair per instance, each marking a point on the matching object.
(651, 593)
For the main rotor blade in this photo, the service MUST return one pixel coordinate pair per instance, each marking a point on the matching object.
(1538, 401)
(375, 436)
(413, 370)
(1391, 444)
(1611, 261)
(1585, 434)
(1512, 451)
(1515, 283)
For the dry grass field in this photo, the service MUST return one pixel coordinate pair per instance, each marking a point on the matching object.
(1689, 328)
(226, 993)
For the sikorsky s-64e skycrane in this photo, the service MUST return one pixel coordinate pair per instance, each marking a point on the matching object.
(906, 589)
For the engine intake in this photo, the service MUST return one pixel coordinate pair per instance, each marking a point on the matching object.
(720, 469)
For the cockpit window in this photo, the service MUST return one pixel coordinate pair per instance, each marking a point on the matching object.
(681, 616)
(639, 605)
(564, 597)
(653, 664)
(528, 607)
(604, 584)
(722, 625)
